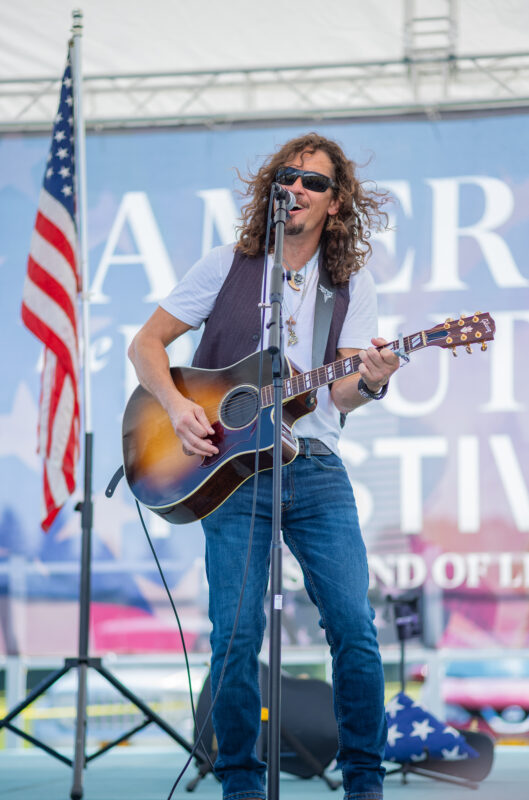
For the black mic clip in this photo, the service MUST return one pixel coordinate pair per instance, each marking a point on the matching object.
(281, 193)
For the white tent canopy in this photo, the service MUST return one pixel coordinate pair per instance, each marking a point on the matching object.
(172, 62)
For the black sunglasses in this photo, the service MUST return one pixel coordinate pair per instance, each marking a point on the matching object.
(312, 181)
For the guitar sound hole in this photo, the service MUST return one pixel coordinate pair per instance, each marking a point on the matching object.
(239, 407)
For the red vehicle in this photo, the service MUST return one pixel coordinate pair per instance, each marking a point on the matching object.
(490, 696)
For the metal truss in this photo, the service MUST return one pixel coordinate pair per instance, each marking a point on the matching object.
(422, 82)
(430, 32)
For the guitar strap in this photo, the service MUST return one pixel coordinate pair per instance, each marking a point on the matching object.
(115, 479)
(323, 311)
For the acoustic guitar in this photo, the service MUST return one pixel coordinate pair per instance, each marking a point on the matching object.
(183, 488)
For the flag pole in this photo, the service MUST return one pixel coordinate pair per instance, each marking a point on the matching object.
(80, 171)
(83, 661)
(86, 506)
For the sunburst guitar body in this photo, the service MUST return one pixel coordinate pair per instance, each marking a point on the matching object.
(182, 488)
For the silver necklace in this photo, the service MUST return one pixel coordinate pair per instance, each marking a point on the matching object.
(291, 321)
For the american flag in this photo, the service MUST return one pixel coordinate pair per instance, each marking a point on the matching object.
(49, 310)
(415, 735)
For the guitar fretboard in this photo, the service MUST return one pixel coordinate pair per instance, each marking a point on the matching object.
(307, 381)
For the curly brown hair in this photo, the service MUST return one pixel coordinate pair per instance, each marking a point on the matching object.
(346, 235)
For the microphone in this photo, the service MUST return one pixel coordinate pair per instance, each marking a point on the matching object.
(284, 194)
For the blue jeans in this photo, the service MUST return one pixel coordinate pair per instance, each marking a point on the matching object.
(320, 526)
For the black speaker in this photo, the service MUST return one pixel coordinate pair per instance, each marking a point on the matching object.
(309, 735)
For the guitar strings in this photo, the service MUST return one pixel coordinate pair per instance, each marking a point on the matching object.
(248, 402)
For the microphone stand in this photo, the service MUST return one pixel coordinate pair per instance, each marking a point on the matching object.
(275, 348)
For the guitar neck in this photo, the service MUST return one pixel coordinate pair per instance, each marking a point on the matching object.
(328, 373)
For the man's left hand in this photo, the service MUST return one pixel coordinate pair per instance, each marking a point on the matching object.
(377, 366)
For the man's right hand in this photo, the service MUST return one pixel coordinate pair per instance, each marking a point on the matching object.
(192, 427)
(148, 353)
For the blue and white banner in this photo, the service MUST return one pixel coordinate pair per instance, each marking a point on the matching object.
(440, 467)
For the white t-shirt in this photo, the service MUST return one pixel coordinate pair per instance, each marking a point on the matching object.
(192, 301)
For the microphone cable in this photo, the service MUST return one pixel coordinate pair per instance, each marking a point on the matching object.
(200, 733)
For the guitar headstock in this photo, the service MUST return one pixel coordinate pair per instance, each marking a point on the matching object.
(477, 329)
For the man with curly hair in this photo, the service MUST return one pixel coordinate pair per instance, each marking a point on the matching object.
(325, 247)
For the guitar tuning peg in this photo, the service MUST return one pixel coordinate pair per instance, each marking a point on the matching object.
(477, 313)
(468, 349)
(449, 319)
(483, 346)
(454, 351)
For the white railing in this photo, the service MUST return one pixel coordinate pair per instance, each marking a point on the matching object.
(167, 691)
(132, 669)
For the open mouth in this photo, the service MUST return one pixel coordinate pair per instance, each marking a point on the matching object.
(296, 209)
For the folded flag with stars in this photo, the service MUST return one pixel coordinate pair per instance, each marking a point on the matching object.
(49, 310)
(415, 735)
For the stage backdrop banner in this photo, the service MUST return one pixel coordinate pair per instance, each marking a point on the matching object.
(440, 467)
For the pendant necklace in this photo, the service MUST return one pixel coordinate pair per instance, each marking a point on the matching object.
(305, 282)
(297, 277)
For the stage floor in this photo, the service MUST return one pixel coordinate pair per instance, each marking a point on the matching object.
(130, 773)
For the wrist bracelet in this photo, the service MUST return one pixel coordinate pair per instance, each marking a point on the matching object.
(367, 394)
